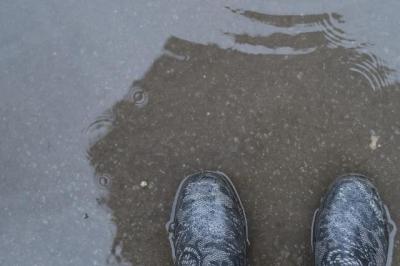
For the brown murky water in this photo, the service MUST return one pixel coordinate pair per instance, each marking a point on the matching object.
(294, 98)
(281, 125)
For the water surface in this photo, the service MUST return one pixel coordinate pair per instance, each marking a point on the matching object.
(107, 107)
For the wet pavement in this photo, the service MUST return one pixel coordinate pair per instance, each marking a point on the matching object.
(105, 108)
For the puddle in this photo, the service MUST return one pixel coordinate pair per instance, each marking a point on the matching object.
(282, 125)
(105, 109)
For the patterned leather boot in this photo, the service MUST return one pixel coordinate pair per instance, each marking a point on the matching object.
(353, 226)
(208, 225)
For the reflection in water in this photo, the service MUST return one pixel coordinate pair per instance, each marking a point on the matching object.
(281, 125)
(316, 31)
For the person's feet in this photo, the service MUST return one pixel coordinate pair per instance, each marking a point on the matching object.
(352, 226)
(208, 224)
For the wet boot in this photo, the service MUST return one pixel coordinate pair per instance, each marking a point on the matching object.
(208, 224)
(352, 226)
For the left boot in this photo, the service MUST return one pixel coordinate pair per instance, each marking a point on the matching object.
(208, 224)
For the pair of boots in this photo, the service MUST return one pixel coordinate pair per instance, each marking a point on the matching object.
(208, 224)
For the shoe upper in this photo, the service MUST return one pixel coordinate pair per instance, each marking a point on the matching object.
(351, 227)
(208, 224)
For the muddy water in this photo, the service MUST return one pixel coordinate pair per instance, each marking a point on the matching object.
(282, 97)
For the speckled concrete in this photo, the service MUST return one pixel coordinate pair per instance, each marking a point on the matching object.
(106, 107)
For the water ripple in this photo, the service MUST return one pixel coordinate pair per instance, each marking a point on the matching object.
(315, 31)
(374, 70)
(137, 95)
(101, 126)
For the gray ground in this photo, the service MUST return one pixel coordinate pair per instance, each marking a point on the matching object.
(98, 97)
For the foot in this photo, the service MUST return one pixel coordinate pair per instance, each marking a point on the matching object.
(352, 226)
(208, 224)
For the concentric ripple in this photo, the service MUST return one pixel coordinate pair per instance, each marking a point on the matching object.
(137, 95)
(101, 126)
(374, 70)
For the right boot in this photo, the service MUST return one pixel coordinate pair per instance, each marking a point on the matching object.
(352, 227)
